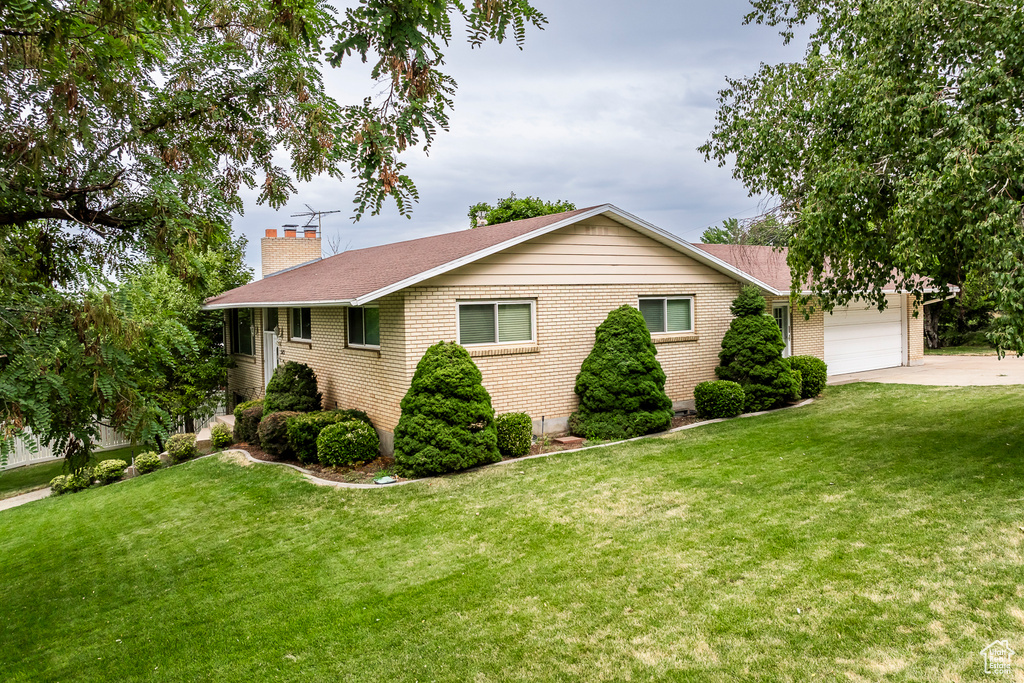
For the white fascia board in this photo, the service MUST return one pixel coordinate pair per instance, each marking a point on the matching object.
(278, 304)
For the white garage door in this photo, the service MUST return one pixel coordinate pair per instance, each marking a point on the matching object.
(859, 338)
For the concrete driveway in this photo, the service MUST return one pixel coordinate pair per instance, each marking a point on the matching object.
(951, 371)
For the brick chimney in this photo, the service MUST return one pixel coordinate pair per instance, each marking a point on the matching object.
(280, 253)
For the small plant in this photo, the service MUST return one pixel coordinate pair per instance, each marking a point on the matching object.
(515, 434)
(147, 462)
(813, 374)
(720, 398)
(246, 422)
(220, 435)
(58, 485)
(182, 447)
(303, 430)
(273, 433)
(109, 471)
(346, 443)
(293, 387)
(71, 483)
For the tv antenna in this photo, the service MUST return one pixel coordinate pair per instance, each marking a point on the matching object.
(315, 218)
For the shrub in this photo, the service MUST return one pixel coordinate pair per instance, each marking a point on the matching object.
(58, 485)
(813, 374)
(751, 355)
(273, 433)
(720, 398)
(147, 462)
(247, 419)
(182, 447)
(346, 443)
(515, 434)
(292, 388)
(447, 421)
(71, 483)
(220, 435)
(303, 430)
(109, 471)
(621, 384)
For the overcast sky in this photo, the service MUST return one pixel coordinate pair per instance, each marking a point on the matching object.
(607, 104)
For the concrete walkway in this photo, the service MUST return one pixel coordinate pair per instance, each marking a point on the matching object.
(950, 371)
(15, 501)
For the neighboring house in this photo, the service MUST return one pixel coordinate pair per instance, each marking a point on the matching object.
(524, 298)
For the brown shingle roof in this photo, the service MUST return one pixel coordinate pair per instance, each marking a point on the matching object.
(763, 263)
(352, 274)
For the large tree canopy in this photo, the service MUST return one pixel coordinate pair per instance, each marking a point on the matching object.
(513, 208)
(764, 231)
(895, 145)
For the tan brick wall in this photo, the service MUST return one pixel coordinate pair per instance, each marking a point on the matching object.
(915, 331)
(807, 335)
(279, 253)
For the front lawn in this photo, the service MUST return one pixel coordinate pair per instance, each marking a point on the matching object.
(875, 534)
(32, 477)
(964, 350)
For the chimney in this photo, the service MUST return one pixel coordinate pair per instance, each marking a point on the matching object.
(281, 253)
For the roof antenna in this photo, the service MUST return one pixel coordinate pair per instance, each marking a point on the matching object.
(315, 218)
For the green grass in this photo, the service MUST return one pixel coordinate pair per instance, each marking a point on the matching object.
(874, 534)
(965, 350)
(32, 477)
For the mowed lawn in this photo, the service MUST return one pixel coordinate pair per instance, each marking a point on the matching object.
(875, 534)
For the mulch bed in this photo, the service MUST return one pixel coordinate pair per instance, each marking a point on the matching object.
(362, 474)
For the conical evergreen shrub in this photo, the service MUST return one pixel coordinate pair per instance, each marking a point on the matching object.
(621, 384)
(292, 387)
(447, 421)
(751, 355)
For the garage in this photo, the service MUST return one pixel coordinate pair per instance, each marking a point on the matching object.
(859, 338)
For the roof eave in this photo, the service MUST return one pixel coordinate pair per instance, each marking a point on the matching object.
(278, 304)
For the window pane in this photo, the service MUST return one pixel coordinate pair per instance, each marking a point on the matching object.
(514, 322)
(245, 331)
(269, 319)
(307, 327)
(653, 311)
(679, 315)
(233, 329)
(296, 323)
(476, 324)
(355, 326)
(372, 318)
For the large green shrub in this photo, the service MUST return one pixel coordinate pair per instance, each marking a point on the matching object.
(303, 429)
(346, 443)
(273, 433)
(147, 462)
(109, 471)
(182, 447)
(720, 398)
(292, 387)
(751, 355)
(447, 421)
(247, 419)
(813, 374)
(621, 384)
(220, 435)
(515, 434)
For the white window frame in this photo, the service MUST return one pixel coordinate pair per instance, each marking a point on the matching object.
(291, 324)
(348, 331)
(664, 311)
(787, 331)
(496, 303)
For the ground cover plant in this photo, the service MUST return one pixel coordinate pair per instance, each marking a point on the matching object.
(871, 535)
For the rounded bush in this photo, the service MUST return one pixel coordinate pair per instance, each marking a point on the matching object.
(109, 471)
(720, 398)
(58, 485)
(813, 374)
(346, 443)
(292, 387)
(247, 419)
(147, 462)
(621, 384)
(220, 435)
(447, 421)
(303, 430)
(273, 433)
(71, 483)
(182, 447)
(515, 434)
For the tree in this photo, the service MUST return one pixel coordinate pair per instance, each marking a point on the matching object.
(513, 208)
(621, 384)
(896, 144)
(764, 230)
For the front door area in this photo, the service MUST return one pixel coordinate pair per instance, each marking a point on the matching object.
(781, 313)
(269, 344)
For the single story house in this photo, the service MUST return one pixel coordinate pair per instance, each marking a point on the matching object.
(524, 298)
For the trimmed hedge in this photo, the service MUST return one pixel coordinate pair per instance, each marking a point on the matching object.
(182, 447)
(273, 433)
(303, 430)
(621, 384)
(719, 398)
(447, 421)
(515, 434)
(346, 443)
(292, 388)
(109, 471)
(147, 462)
(220, 435)
(247, 422)
(813, 374)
